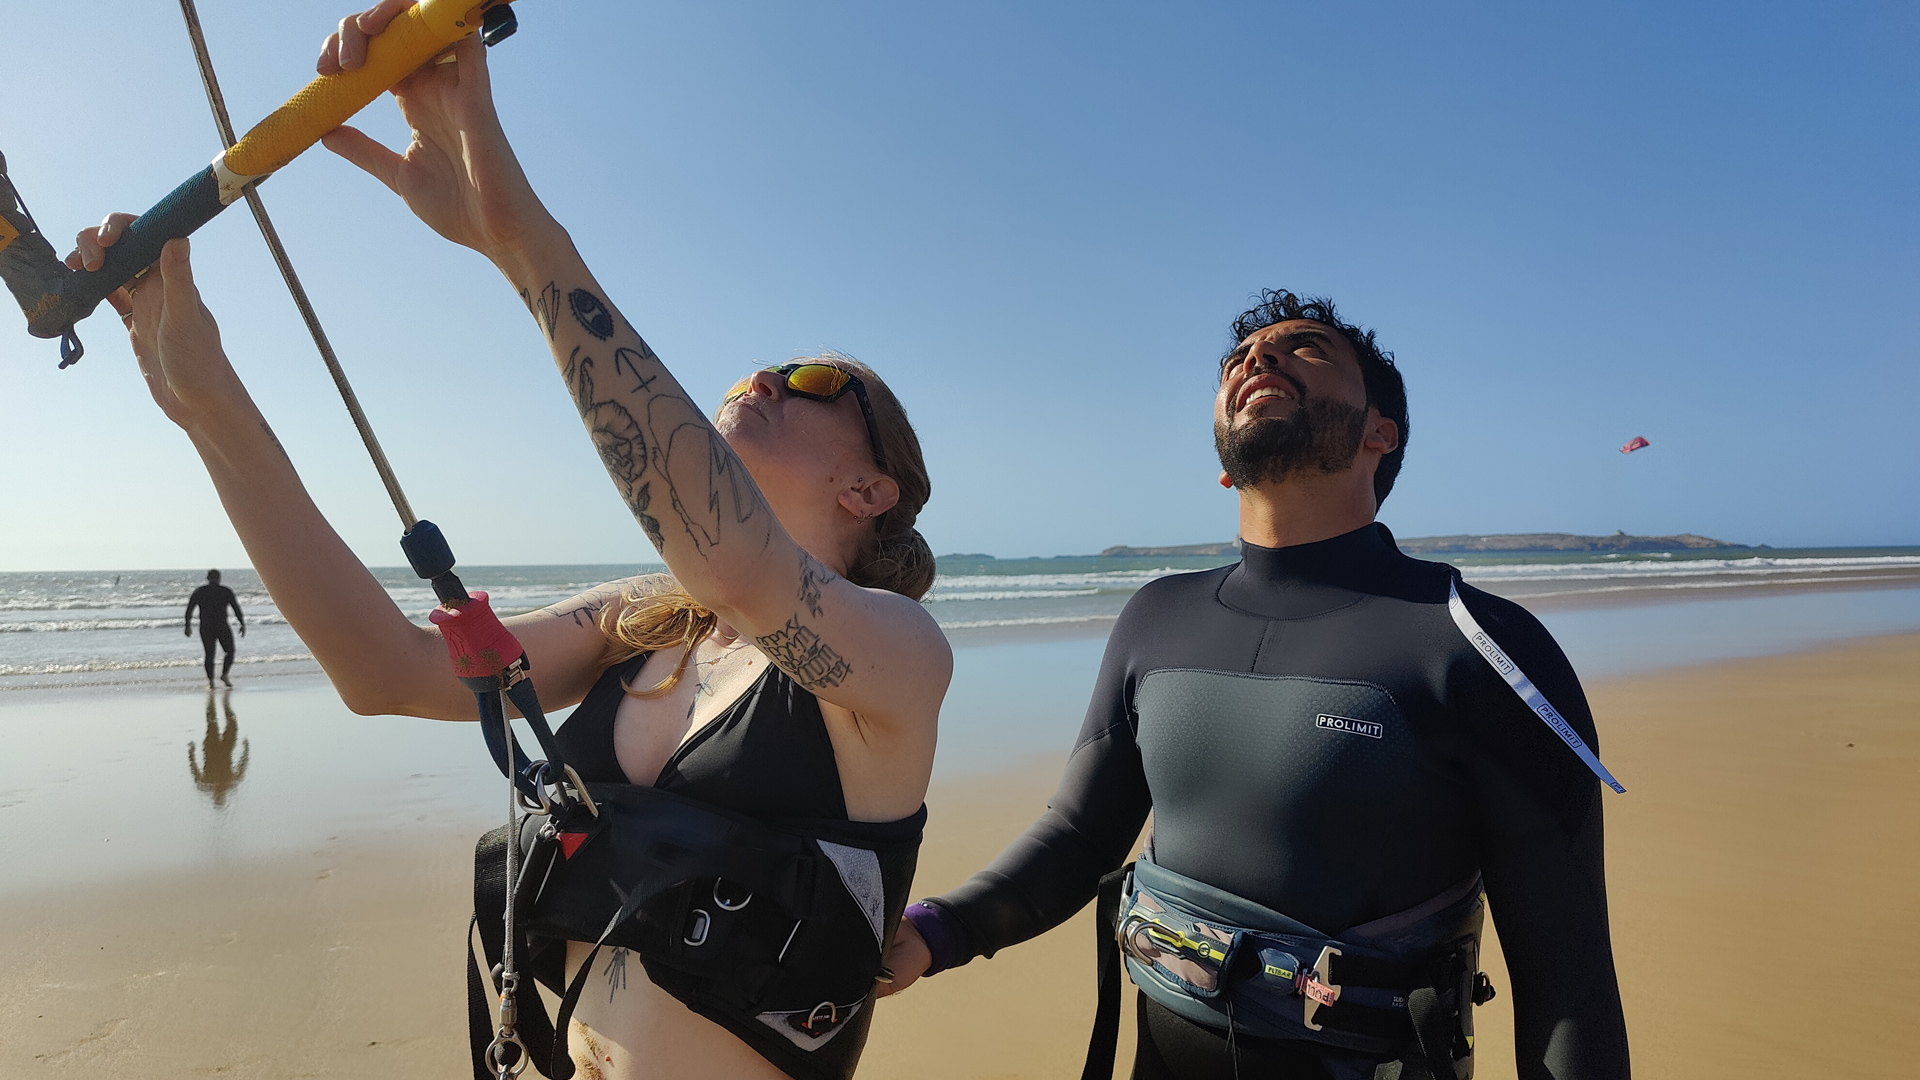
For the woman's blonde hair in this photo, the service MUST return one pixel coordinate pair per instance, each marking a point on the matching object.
(892, 555)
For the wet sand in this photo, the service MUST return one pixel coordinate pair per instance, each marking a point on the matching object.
(1763, 885)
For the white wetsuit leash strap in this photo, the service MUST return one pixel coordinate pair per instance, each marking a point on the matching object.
(1483, 642)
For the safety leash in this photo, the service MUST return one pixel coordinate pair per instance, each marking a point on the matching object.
(486, 657)
(1523, 687)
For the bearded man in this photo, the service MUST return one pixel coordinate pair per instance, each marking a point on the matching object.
(1344, 752)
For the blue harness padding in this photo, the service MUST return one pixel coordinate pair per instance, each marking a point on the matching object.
(1384, 988)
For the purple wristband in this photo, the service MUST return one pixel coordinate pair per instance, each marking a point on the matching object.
(936, 929)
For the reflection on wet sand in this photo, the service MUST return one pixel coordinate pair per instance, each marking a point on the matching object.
(215, 772)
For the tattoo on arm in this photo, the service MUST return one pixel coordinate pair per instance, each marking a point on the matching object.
(706, 484)
(274, 439)
(595, 317)
(585, 609)
(813, 577)
(584, 614)
(800, 653)
(618, 438)
(545, 307)
(627, 362)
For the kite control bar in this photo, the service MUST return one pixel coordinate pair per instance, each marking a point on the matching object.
(55, 298)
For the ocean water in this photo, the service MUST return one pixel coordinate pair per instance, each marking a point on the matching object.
(150, 772)
(63, 629)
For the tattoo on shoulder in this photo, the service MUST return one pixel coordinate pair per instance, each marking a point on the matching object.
(800, 653)
(594, 315)
(545, 307)
(814, 576)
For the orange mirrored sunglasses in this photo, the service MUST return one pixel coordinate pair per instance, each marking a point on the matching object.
(823, 382)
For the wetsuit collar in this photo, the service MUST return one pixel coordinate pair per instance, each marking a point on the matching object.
(1305, 580)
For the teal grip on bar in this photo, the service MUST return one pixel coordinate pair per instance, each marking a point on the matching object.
(185, 209)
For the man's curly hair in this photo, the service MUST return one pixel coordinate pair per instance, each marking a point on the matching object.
(1386, 390)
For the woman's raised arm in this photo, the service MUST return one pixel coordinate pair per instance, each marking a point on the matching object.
(378, 660)
(876, 653)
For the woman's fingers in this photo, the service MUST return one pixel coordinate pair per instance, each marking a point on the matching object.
(349, 45)
(367, 152)
(176, 275)
(375, 19)
(91, 245)
(352, 43)
(329, 62)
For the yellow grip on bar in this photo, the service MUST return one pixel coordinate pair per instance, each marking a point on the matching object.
(411, 39)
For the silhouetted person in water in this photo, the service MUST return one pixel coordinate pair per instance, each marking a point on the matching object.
(213, 599)
(219, 774)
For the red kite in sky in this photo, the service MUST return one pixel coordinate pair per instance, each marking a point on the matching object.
(1639, 443)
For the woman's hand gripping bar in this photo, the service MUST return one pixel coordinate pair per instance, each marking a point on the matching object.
(411, 40)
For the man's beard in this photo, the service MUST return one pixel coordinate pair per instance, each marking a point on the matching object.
(1322, 436)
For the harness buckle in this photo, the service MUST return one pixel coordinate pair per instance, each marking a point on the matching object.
(702, 922)
(1318, 987)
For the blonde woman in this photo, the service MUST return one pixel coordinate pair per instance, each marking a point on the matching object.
(783, 670)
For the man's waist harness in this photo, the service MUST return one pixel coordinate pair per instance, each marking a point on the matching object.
(776, 931)
(1401, 988)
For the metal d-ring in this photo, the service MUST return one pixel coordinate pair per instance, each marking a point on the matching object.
(833, 1015)
(497, 1049)
(580, 789)
(702, 922)
(724, 905)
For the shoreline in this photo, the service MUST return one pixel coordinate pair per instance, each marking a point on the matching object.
(1762, 793)
(1540, 597)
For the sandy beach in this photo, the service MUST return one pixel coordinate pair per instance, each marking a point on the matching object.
(1761, 867)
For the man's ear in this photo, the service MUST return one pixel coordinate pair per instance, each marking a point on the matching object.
(870, 498)
(1382, 434)
(1225, 482)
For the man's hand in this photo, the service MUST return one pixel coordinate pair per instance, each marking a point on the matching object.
(458, 175)
(908, 959)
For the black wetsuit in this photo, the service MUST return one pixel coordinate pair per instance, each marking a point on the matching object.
(768, 756)
(1333, 823)
(213, 601)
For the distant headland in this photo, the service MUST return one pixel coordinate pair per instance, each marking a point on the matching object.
(1514, 543)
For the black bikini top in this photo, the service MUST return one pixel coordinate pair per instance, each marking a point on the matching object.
(767, 755)
(736, 876)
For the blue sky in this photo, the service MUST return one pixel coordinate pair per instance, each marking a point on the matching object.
(1693, 222)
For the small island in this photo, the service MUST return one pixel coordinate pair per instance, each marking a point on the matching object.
(1505, 543)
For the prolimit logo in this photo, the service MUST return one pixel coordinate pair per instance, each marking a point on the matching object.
(1349, 725)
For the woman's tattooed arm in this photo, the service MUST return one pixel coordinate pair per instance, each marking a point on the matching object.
(877, 654)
